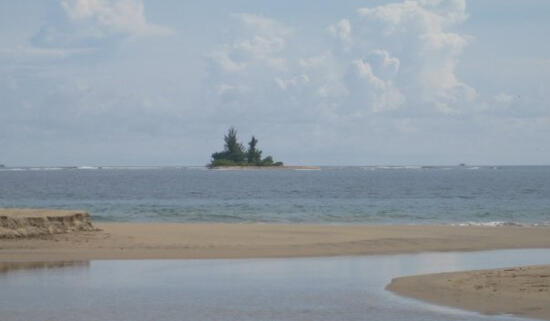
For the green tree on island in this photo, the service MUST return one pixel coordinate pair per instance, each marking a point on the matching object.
(235, 155)
(253, 155)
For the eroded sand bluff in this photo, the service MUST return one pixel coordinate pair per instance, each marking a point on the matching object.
(21, 223)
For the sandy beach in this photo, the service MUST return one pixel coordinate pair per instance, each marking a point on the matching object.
(522, 291)
(181, 241)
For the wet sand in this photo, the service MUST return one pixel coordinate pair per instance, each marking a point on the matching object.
(522, 291)
(183, 241)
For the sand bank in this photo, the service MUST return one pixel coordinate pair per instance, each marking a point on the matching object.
(180, 241)
(20, 223)
(289, 167)
(522, 291)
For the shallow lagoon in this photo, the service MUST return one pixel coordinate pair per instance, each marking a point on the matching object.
(334, 288)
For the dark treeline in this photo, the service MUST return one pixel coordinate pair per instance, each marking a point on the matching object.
(234, 153)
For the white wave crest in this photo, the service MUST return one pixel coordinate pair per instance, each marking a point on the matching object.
(492, 224)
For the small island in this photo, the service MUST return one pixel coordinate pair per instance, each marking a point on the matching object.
(235, 155)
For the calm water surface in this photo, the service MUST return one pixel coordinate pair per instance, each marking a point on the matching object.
(371, 195)
(341, 288)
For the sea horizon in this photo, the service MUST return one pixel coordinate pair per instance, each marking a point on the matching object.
(160, 166)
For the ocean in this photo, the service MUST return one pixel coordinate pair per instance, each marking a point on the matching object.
(467, 195)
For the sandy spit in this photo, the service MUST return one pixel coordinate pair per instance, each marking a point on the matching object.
(521, 291)
(181, 241)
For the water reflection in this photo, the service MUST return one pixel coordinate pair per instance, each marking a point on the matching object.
(337, 288)
(10, 267)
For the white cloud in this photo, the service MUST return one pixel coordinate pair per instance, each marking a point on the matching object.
(454, 11)
(106, 17)
(313, 61)
(364, 71)
(341, 30)
(326, 74)
(229, 93)
(504, 98)
(285, 84)
(332, 89)
(260, 46)
(386, 65)
(415, 16)
(37, 52)
(379, 95)
(263, 25)
(263, 42)
(222, 58)
(418, 32)
(401, 55)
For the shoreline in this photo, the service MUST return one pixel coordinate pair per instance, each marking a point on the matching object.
(521, 291)
(252, 167)
(253, 240)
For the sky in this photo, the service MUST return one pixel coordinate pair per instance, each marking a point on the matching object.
(144, 82)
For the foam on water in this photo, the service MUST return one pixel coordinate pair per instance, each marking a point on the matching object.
(87, 167)
(501, 224)
(492, 224)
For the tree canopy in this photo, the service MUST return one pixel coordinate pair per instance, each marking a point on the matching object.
(253, 155)
(234, 153)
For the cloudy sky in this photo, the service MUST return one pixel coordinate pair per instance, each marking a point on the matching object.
(143, 82)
